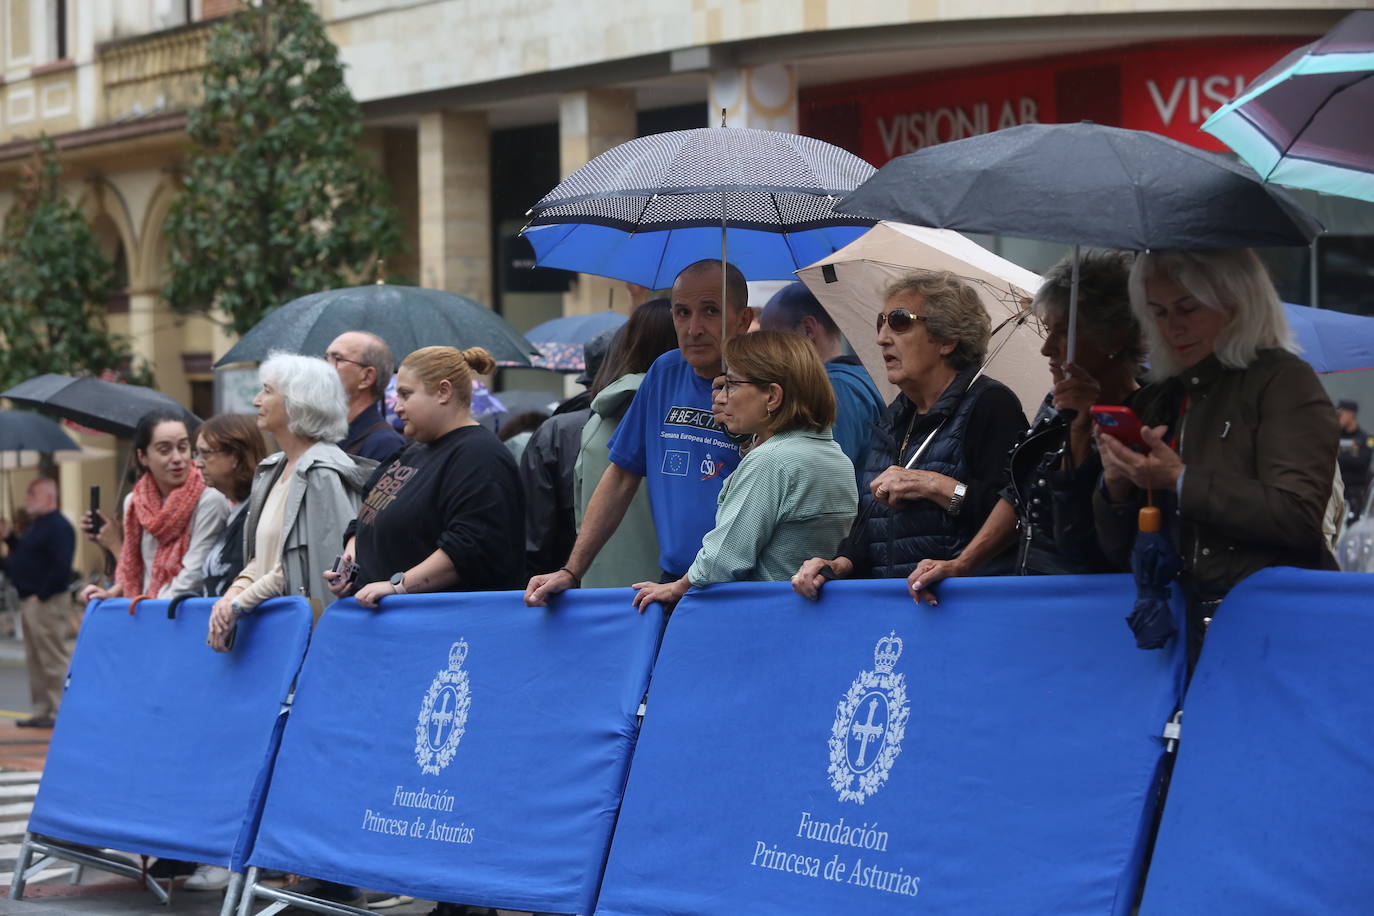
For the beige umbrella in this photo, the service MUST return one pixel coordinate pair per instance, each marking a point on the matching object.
(850, 285)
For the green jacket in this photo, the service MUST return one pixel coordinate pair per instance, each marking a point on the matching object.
(793, 497)
(631, 555)
(1259, 451)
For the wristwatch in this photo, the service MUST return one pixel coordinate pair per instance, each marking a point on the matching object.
(398, 583)
(956, 502)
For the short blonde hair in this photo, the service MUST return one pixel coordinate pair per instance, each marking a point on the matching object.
(1232, 280)
(953, 313)
(790, 362)
(432, 365)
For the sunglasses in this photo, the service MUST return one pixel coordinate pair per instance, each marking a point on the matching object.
(898, 320)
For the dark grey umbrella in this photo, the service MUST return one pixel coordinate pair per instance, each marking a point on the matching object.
(406, 317)
(1085, 184)
(23, 431)
(105, 406)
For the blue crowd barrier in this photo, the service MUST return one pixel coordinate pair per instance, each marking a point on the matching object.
(461, 747)
(1271, 805)
(163, 746)
(862, 754)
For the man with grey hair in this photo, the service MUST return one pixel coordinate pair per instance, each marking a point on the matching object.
(364, 364)
(858, 405)
(39, 563)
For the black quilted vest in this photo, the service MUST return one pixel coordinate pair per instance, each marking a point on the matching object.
(893, 543)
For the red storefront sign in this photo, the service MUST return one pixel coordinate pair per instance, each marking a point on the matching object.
(1166, 88)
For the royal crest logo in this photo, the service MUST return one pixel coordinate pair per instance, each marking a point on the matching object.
(870, 723)
(443, 713)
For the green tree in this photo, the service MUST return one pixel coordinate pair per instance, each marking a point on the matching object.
(280, 200)
(54, 285)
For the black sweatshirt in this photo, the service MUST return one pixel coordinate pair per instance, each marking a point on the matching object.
(459, 494)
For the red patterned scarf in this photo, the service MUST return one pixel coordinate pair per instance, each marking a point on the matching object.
(168, 520)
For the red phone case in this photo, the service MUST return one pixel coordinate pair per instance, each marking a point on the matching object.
(1120, 423)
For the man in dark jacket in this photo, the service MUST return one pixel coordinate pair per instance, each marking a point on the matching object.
(546, 471)
(1356, 448)
(363, 362)
(39, 563)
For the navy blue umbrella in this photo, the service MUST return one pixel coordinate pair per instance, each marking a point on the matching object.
(21, 431)
(109, 407)
(1155, 564)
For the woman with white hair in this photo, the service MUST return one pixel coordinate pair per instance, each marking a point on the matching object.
(303, 496)
(1242, 436)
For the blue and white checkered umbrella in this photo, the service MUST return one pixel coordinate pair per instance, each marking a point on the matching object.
(648, 208)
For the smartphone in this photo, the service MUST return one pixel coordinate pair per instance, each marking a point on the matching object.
(96, 523)
(1121, 423)
(345, 567)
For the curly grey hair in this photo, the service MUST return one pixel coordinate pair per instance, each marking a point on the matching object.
(1104, 300)
(953, 313)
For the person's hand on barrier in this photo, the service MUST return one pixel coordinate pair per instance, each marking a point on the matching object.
(543, 587)
(926, 574)
(816, 571)
(897, 485)
(665, 593)
(373, 592)
(93, 592)
(223, 620)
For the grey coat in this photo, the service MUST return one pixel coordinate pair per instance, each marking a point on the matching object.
(323, 498)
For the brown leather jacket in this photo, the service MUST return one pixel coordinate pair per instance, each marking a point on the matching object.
(1259, 448)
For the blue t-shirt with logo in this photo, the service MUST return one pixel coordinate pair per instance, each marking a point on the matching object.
(669, 438)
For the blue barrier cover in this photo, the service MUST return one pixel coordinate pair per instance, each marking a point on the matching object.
(866, 755)
(163, 746)
(462, 747)
(1271, 806)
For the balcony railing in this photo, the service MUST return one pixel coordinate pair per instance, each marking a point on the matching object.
(153, 74)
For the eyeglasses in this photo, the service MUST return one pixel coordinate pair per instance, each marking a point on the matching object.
(334, 359)
(899, 320)
(728, 385)
(198, 454)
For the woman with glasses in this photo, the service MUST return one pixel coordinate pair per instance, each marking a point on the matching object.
(933, 333)
(228, 450)
(792, 495)
(171, 518)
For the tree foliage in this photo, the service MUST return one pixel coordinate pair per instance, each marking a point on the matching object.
(279, 198)
(54, 285)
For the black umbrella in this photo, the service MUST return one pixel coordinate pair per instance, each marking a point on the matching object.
(406, 317)
(1084, 184)
(23, 431)
(105, 406)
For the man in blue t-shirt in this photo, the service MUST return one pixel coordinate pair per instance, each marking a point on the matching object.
(794, 309)
(668, 437)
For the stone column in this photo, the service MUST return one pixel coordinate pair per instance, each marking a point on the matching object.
(155, 336)
(589, 123)
(454, 156)
(763, 97)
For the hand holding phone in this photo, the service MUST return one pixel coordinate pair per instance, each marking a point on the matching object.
(94, 522)
(345, 569)
(1121, 423)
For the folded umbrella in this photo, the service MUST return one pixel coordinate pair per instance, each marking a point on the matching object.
(1155, 564)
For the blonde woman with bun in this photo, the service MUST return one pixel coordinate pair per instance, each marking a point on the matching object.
(447, 513)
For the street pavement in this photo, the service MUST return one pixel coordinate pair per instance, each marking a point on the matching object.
(59, 890)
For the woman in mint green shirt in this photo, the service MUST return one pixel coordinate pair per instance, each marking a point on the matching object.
(793, 495)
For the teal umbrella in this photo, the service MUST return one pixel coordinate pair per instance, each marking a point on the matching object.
(406, 317)
(1308, 121)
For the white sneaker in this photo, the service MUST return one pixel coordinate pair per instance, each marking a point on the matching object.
(207, 878)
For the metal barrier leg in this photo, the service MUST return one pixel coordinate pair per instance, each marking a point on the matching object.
(20, 866)
(250, 887)
(232, 894)
(76, 873)
(53, 852)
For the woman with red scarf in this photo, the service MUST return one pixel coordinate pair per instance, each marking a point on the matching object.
(171, 518)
